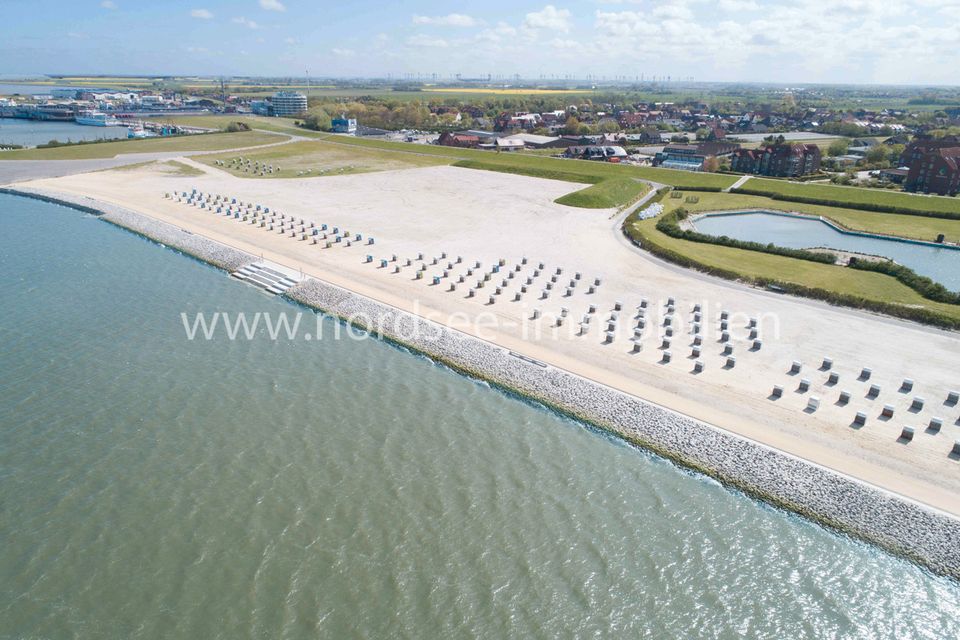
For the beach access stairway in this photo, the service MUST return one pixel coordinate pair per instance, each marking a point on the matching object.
(266, 277)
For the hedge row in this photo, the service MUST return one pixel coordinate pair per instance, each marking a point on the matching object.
(923, 285)
(864, 206)
(699, 188)
(668, 225)
(916, 314)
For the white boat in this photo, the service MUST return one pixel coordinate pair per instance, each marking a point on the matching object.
(97, 119)
(137, 131)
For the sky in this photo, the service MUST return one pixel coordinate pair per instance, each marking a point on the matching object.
(782, 41)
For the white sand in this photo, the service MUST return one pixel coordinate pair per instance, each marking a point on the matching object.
(486, 216)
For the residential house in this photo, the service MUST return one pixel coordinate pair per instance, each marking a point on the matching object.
(449, 139)
(784, 160)
(934, 165)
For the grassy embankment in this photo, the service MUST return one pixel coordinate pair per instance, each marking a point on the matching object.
(320, 159)
(854, 197)
(612, 185)
(328, 157)
(894, 224)
(518, 162)
(201, 142)
(264, 123)
(168, 167)
(836, 284)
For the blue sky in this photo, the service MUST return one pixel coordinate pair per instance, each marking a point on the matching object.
(845, 41)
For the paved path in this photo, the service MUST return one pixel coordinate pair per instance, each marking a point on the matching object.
(737, 184)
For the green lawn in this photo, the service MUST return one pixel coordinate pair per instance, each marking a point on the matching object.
(751, 265)
(318, 158)
(894, 224)
(205, 142)
(603, 170)
(278, 125)
(615, 192)
(854, 196)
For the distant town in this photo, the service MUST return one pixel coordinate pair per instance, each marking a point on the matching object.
(786, 133)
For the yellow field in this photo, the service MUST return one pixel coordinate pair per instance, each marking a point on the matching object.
(507, 92)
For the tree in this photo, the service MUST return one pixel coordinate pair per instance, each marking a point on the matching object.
(838, 147)
(318, 120)
(878, 154)
(572, 126)
(703, 133)
(711, 164)
(609, 126)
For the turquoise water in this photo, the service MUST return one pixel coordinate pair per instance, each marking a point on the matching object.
(940, 264)
(156, 487)
(29, 133)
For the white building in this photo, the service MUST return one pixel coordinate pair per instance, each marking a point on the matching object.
(289, 103)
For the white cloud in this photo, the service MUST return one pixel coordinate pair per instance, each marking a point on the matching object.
(245, 22)
(449, 20)
(343, 53)
(108, 4)
(290, 40)
(549, 18)
(739, 5)
(202, 14)
(421, 40)
(272, 5)
(672, 12)
(498, 33)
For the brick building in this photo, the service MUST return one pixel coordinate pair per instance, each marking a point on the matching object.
(934, 165)
(783, 160)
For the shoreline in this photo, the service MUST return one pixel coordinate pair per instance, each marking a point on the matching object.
(892, 522)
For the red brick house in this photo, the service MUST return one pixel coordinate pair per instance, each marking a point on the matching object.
(935, 172)
(934, 165)
(783, 160)
(448, 139)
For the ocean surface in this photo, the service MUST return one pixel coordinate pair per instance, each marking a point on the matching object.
(153, 486)
(30, 133)
(939, 263)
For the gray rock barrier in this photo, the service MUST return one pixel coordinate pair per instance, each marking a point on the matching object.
(901, 526)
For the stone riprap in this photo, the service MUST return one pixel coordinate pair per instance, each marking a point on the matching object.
(199, 247)
(904, 527)
(898, 525)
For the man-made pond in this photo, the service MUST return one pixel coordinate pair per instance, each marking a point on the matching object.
(939, 263)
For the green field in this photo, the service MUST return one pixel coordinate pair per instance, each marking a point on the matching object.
(265, 123)
(854, 196)
(616, 192)
(203, 142)
(602, 170)
(318, 158)
(894, 224)
(756, 266)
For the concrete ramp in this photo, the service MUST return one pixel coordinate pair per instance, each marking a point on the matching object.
(271, 277)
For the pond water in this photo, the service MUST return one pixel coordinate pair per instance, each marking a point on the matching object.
(939, 263)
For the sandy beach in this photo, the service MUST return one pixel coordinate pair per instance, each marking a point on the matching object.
(488, 217)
